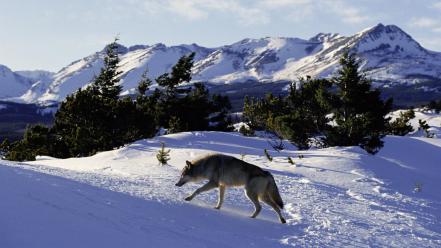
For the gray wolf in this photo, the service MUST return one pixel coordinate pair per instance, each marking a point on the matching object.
(224, 171)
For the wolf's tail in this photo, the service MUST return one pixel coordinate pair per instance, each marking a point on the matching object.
(273, 192)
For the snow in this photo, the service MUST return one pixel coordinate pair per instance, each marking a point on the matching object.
(334, 197)
(11, 83)
(432, 119)
(387, 53)
(36, 75)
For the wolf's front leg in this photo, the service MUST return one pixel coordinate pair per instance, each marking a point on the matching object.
(208, 186)
(221, 197)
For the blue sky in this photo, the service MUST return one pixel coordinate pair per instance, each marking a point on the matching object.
(49, 34)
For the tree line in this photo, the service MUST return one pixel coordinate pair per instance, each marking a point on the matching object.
(343, 110)
(97, 119)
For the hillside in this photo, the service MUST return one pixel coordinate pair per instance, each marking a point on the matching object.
(333, 197)
(12, 84)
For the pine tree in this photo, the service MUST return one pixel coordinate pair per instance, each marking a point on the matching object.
(181, 73)
(96, 119)
(308, 106)
(144, 84)
(107, 81)
(246, 131)
(359, 112)
(401, 125)
(176, 125)
(4, 147)
(218, 116)
(435, 105)
(296, 128)
(5, 144)
(170, 104)
(425, 128)
(163, 155)
(259, 113)
(20, 151)
(189, 108)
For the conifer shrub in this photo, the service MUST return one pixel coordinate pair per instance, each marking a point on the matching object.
(401, 126)
(341, 111)
(246, 131)
(425, 128)
(163, 155)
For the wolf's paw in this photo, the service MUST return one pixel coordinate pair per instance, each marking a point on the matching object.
(188, 198)
(282, 220)
(217, 207)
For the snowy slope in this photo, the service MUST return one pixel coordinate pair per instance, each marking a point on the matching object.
(157, 59)
(12, 84)
(432, 119)
(388, 55)
(36, 75)
(335, 197)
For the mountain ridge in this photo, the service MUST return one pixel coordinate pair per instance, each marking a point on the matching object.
(388, 55)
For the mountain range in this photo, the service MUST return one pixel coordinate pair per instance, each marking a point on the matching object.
(390, 57)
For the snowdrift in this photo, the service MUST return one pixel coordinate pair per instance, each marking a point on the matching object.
(334, 197)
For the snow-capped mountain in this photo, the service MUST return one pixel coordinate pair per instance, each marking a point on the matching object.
(388, 55)
(12, 84)
(36, 75)
(157, 59)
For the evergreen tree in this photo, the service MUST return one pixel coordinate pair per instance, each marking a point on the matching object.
(259, 113)
(176, 125)
(359, 112)
(295, 128)
(189, 108)
(401, 125)
(169, 101)
(219, 119)
(4, 147)
(107, 81)
(96, 119)
(435, 105)
(307, 116)
(163, 156)
(246, 131)
(144, 84)
(20, 151)
(425, 128)
(181, 73)
(37, 140)
(194, 109)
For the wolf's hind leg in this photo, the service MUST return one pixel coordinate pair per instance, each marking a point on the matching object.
(208, 186)
(267, 199)
(255, 199)
(221, 197)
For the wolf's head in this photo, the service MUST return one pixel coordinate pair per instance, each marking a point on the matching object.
(186, 175)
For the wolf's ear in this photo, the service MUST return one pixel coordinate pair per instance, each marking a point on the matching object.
(188, 163)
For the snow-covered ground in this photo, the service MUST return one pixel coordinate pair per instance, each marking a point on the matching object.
(433, 120)
(333, 197)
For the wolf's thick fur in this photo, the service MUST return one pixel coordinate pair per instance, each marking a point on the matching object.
(224, 171)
